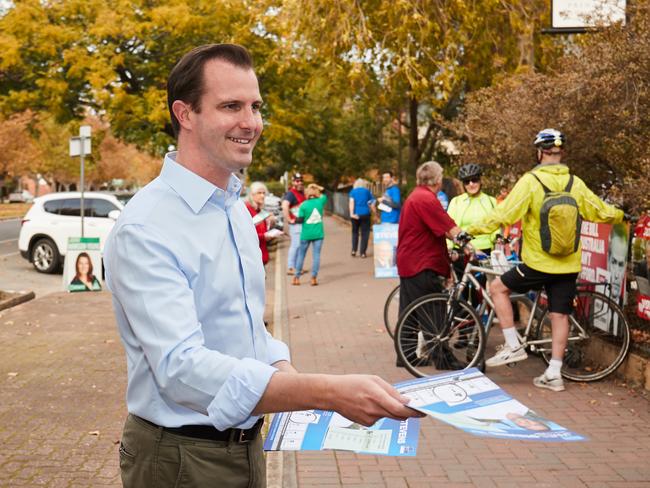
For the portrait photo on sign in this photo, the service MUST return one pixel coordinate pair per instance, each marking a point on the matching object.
(83, 271)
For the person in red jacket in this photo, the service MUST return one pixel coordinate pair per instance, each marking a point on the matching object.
(262, 219)
(424, 227)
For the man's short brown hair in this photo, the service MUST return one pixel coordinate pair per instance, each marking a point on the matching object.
(185, 81)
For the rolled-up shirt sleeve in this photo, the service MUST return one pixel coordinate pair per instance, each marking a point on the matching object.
(277, 350)
(155, 295)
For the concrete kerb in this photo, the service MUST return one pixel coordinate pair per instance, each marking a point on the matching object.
(15, 298)
(280, 465)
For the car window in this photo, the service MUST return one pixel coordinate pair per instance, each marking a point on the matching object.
(53, 206)
(100, 207)
(72, 207)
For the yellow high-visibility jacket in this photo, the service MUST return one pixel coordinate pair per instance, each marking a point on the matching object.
(524, 203)
(467, 210)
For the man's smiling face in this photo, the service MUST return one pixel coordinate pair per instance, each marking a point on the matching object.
(228, 122)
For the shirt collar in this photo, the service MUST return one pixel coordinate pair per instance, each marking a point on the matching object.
(195, 190)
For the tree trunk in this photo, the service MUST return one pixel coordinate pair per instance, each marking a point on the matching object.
(414, 154)
(400, 146)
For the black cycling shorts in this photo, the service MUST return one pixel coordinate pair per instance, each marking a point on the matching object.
(560, 288)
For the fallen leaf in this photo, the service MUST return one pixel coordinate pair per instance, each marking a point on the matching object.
(610, 394)
(12, 374)
(593, 402)
(381, 331)
(93, 432)
(109, 341)
(9, 322)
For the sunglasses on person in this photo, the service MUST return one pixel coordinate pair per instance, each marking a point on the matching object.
(475, 179)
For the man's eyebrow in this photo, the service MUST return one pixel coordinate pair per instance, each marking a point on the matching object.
(236, 100)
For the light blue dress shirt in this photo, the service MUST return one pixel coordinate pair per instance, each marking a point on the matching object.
(185, 268)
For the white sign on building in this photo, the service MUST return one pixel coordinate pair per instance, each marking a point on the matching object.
(584, 14)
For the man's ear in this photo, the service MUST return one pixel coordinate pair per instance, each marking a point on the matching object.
(182, 112)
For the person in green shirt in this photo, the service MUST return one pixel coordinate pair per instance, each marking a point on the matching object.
(313, 231)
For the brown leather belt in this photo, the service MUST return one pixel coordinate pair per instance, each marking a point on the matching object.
(208, 432)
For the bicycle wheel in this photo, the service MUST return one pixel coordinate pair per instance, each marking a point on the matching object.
(599, 337)
(436, 333)
(391, 311)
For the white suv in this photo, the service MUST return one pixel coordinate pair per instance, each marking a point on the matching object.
(55, 217)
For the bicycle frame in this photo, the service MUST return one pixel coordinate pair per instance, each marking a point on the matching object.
(468, 277)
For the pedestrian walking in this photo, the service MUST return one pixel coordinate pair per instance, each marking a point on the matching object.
(264, 221)
(182, 263)
(290, 203)
(361, 204)
(311, 212)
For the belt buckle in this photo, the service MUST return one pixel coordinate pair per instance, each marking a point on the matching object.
(242, 437)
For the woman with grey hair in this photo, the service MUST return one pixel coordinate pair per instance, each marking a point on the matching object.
(262, 219)
(362, 206)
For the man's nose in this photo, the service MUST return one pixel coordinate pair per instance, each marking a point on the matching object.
(249, 119)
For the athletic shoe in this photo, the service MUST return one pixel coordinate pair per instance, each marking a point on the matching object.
(554, 384)
(506, 355)
(314, 281)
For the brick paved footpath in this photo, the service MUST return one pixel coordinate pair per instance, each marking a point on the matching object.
(337, 327)
(62, 381)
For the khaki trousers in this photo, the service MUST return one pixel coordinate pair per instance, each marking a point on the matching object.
(153, 458)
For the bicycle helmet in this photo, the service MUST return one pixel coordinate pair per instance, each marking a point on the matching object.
(469, 170)
(549, 138)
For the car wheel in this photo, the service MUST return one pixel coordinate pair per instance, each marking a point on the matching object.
(45, 256)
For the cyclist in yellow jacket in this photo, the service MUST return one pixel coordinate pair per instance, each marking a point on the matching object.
(557, 273)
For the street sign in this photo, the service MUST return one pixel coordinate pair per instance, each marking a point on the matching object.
(75, 146)
(80, 146)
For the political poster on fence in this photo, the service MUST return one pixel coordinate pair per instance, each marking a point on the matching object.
(471, 402)
(641, 266)
(317, 430)
(82, 270)
(604, 261)
(385, 250)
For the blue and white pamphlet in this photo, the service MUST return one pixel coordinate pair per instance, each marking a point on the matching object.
(470, 401)
(317, 430)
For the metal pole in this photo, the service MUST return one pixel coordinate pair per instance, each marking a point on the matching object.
(81, 183)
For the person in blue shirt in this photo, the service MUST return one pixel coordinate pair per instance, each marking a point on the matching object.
(187, 280)
(361, 209)
(390, 202)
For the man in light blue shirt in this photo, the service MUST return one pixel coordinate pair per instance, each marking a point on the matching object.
(188, 292)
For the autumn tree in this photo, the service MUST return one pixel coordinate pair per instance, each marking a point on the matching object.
(17, 148)
(426, 55)
(598, 96)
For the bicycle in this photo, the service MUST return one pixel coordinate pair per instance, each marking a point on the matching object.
(520, 303)
(441, 331)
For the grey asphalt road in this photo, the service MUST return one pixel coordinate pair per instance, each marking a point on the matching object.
(9, 230)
